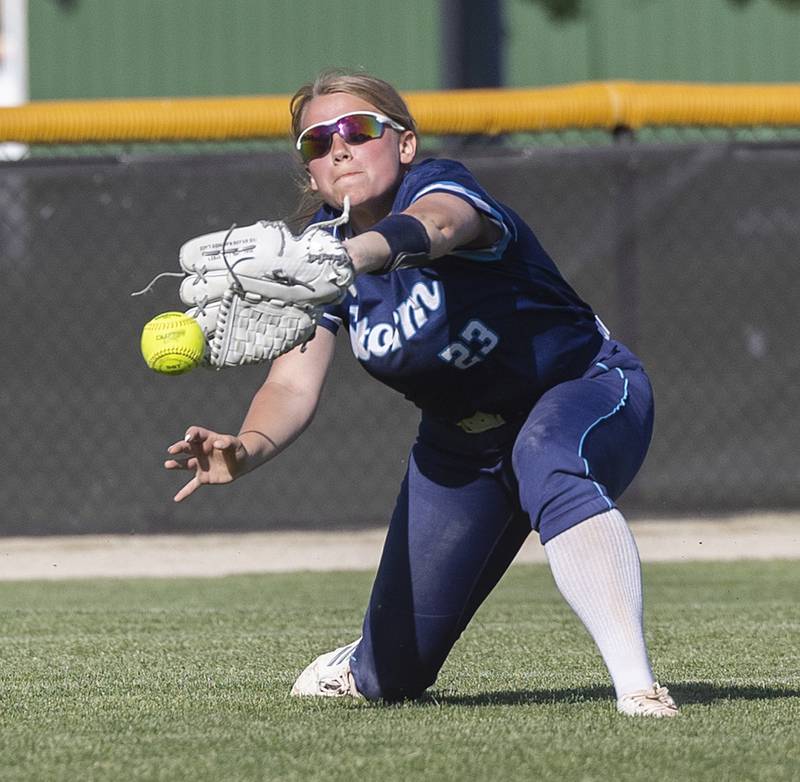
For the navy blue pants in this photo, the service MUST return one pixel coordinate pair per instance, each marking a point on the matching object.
(468, 502)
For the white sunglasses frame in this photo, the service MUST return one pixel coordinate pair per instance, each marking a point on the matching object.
(382, 118)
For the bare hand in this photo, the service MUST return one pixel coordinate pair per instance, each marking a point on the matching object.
(215, 458)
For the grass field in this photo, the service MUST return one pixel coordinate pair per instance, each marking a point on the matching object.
(187, 679)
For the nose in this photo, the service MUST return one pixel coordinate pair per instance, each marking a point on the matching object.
(339, 148)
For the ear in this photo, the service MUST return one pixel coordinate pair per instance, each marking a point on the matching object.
(312, 183)
(408, 147)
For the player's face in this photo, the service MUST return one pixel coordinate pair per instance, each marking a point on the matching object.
(369, 171)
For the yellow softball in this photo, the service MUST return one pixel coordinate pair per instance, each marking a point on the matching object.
(172, 343)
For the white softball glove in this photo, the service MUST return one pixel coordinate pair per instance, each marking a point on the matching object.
(258, 291)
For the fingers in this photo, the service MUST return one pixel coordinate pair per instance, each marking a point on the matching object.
(188, 489)
(197, 440)
(224, 442)
(194, 442)
(180, 464)
(197, 434)
(184, 454)
(194, 436)
(213, 457)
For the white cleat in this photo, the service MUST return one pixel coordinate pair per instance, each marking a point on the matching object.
(329, 675)
(653, 702)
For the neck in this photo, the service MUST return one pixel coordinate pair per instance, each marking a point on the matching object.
(364, 216)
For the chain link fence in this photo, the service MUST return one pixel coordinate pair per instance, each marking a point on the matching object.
(689, 252)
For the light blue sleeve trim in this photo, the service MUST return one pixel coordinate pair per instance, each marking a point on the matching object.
(330, 322)
(501, 220)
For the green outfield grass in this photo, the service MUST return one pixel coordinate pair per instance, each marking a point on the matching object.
(188, 680)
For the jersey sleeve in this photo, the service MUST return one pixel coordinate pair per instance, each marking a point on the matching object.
(450, 176)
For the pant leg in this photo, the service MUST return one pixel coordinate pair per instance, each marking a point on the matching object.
(453, 533)
(583, 443)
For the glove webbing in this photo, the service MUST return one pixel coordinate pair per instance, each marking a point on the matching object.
(252, 331)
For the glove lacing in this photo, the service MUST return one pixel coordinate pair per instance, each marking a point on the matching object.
(155, 279)
(278, 275)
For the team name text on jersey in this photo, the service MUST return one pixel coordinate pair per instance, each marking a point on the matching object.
(408, 318)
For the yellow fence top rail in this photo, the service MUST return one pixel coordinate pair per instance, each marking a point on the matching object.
(485, 111)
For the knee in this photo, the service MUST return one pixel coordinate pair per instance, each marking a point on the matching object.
(391, 684)
(542, 466)
(538, 445)
(551, 480)
(399, 660)
(400, 677)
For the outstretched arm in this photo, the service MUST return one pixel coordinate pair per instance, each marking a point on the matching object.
(280, 411)
(449, 222)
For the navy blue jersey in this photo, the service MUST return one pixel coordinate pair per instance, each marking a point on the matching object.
(477, 330)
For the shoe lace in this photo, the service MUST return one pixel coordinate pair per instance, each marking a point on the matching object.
(660, 694)
(338, 685)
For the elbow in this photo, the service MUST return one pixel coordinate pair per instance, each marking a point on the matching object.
(446, 235)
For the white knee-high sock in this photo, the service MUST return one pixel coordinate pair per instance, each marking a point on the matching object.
(596, 568)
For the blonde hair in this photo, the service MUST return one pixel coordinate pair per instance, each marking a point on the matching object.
(382, 95)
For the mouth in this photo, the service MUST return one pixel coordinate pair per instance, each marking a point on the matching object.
(347, 175)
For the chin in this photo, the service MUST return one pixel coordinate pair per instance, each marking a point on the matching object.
(357, 200)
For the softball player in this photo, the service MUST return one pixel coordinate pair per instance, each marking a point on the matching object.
(532, 416)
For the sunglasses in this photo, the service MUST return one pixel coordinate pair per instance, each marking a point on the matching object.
(315, 140)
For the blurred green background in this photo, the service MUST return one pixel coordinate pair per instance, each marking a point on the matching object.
(118, 48)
